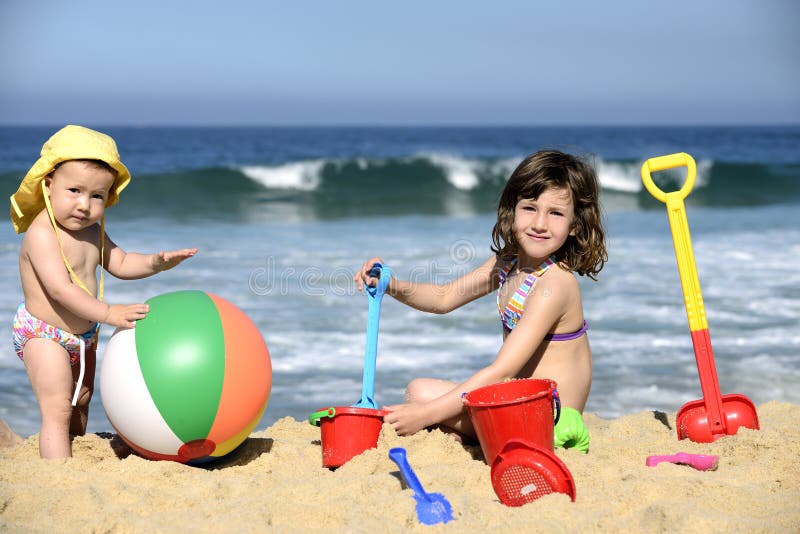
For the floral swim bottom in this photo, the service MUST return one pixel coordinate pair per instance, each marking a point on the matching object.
(26, 327)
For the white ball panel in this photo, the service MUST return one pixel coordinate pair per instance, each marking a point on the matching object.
(126, 399)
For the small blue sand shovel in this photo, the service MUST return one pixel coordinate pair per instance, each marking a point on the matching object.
(374, 295)
(432, 508)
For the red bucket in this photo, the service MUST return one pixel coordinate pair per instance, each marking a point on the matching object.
(346, 432)
(517, 409)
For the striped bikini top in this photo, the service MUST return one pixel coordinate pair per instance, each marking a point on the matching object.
(512, 313)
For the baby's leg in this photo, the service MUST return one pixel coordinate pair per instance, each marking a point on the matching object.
(80, 414)
(426, 389)
(51, 378)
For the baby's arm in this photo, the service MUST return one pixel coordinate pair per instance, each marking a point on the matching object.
(41, 249)
(435, 298)
(133, 265)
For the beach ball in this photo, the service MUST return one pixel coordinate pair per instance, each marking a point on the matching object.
(189, 382)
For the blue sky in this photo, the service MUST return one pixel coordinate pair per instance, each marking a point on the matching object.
(429, 62)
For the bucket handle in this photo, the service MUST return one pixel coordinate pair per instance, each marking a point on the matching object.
(557, 404)
(316, 416)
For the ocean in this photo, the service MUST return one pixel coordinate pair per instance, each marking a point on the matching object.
(283, 217)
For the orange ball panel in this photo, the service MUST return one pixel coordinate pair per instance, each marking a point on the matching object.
(248, 373)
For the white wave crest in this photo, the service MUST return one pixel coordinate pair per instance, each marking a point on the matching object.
(703, 172)
(623, 177)
(627, 178)
(303, 175)
(461, 173)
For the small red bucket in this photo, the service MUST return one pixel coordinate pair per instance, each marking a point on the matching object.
(517, 409)
(346, 432)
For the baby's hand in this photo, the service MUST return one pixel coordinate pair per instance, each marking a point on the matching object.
(167, 260)
(125, 315)
(362, 276)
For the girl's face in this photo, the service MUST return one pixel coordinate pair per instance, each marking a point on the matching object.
(78, 192)
(542, 225)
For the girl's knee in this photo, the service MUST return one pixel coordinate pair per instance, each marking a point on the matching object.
(415, 391)
(426, 389)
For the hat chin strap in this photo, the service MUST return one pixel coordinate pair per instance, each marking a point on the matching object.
(72, 274)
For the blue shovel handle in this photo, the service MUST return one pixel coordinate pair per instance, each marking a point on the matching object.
(374, 296)
(383, 274)
(432, 508)
(398, 456)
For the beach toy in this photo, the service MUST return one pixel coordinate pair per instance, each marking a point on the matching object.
(517, 409)
(523, 472)
(701, 462)
(189, 382)
(715, 415)
(432, 508)
(347, 431)
(374, 296)
(570, 431)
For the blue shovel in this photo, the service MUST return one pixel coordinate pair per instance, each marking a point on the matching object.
(374, 295)
(432, 508)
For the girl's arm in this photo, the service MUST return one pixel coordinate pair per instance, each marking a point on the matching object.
(133, 265)
(437, 298)
(543, 309)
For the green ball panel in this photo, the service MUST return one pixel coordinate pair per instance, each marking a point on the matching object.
(181, 350)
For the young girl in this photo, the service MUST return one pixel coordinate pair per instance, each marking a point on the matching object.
(59, 205)
(548, 226)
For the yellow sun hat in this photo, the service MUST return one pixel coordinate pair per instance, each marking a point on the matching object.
(69, 143)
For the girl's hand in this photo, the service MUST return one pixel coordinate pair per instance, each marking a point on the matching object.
(125, 315)
(362, 277)
(407, 419)
(167, 260)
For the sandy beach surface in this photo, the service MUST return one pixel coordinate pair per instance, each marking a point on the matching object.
(275, 482)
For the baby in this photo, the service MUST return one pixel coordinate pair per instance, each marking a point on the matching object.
(60, 206)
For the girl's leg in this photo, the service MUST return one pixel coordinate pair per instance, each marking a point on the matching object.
(50, 375)
(80, 413)
(426, 389)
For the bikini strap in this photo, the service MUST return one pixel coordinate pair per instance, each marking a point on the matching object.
(72, 274)
(567, 337)
(516, 303)
(506, 270)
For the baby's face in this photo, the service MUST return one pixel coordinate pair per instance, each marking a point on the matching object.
(78, 193)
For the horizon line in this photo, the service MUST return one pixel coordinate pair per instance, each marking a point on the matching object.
(411, 125)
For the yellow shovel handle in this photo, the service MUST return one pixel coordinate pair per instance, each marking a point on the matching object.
(662, 163)
(693, 298)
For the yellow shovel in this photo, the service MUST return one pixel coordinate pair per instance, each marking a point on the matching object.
(715, 415)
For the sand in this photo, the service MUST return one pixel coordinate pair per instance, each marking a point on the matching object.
(275, 482)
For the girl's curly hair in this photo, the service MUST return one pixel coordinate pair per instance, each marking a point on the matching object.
(585, 251)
